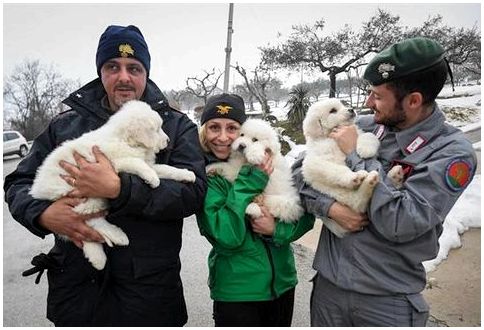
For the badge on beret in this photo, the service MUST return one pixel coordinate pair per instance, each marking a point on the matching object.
(385, 68)
(223, 109)
(458, 174)
(125, 50)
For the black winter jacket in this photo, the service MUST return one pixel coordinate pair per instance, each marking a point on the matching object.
(140, 285)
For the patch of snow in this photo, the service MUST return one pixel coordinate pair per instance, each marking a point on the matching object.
(465, 214)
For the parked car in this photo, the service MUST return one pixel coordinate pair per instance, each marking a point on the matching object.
(14, 143)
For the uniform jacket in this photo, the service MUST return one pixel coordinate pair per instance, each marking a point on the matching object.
(243, 265)
(140, 284)
(405, 224)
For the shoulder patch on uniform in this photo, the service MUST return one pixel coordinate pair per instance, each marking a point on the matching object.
(458, 174)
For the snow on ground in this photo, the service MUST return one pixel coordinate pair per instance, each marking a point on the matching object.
(465, 214)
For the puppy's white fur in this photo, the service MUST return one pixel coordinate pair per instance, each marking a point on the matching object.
(129, 139)
(280, 196)
(324, 166)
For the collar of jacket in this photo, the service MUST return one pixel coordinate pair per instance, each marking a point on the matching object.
(87, 100)
(210, 158)
(421, 133)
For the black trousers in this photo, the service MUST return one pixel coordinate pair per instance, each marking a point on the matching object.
(271, 313)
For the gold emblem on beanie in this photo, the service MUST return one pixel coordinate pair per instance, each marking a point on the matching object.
(125, 50)
(223, 109)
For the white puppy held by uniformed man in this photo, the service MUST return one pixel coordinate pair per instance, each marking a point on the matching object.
(374, 276)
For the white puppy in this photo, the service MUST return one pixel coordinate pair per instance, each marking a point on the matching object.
(280, 196)
(129, 139)
(324, 166)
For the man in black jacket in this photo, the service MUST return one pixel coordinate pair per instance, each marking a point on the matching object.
(140, 285)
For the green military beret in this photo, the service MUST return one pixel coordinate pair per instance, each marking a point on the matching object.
(403, 58)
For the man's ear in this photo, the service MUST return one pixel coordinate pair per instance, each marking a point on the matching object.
(414, 100)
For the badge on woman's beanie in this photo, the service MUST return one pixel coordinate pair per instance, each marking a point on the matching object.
(229, 106)
(121, 41)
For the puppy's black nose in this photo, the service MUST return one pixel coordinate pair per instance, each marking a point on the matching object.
(352, 112)
(241, 147)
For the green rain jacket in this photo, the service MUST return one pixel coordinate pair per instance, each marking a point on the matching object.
(243, 265)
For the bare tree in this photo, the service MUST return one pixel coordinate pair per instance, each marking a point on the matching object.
(203, 87)
(258, 85)
(33, 95)
(186, 100)
(276, 92)
(242, 91)
(316, 88)
(462, 46)
(334, 53)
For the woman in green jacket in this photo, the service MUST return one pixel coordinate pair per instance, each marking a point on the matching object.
(252, 275)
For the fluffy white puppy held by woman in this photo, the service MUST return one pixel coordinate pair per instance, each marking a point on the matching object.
(280, 196)
(130, 139)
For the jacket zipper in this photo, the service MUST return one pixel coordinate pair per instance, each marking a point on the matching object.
(271, 262)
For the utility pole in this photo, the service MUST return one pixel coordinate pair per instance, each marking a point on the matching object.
(228, 49)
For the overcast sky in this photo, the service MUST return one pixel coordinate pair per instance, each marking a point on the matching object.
(185, 39)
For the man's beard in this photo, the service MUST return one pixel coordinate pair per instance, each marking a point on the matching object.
(398, 116)
(120, 101)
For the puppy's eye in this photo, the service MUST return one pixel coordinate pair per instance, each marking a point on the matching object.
(241, 134)
(254, 140)
(333, 110)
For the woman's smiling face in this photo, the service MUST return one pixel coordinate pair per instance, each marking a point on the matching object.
(220, 134)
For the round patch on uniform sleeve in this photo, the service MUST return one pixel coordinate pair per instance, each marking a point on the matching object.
(458, 174)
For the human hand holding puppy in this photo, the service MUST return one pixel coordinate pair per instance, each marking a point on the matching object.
(266, 165)
(97, 179)
(60, 218)
(345, 137)
(265, 224)
(347, 218)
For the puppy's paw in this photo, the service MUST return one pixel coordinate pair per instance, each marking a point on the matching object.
(396, 176)
(373, 178)
(113, 235)
(358, 178)
(367, 145)
(365, 151)
(186, 175)
(153, 181)
(253, 210)
(213, 170)
(95, 254)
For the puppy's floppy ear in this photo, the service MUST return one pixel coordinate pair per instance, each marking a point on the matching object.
(311, 126)
(141, 131)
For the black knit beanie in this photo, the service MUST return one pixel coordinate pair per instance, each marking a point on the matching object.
(229, 106)
(121, 41)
